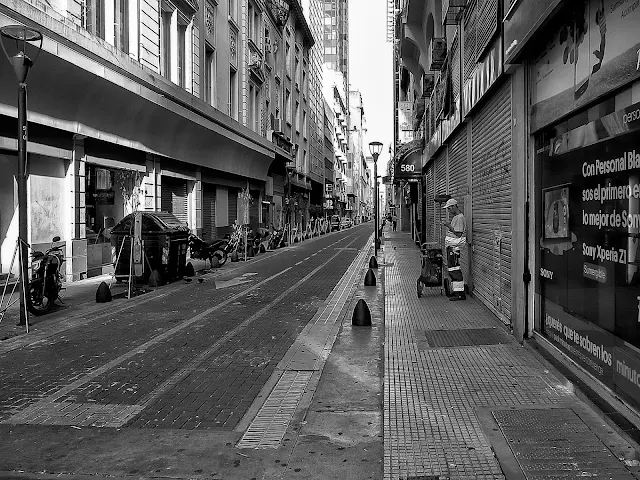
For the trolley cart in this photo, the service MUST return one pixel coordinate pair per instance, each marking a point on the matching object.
(431, 262)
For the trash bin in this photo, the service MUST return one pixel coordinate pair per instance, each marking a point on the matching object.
(165, 241)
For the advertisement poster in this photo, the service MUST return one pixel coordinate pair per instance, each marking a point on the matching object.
(593, 47)
(589, 261)
(556, 212)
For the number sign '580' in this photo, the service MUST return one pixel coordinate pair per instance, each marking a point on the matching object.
(407, 168)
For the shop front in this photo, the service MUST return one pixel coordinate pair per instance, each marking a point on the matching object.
(587, 191)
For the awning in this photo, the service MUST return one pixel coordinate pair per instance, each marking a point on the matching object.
(406, 149)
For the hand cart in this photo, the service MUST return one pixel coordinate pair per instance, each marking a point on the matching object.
(431, 263)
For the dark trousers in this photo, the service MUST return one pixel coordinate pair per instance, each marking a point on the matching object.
(394, 225)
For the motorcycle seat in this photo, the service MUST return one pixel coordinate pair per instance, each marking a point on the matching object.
(37, 254)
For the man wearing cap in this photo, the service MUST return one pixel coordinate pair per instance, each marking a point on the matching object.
(454, 239)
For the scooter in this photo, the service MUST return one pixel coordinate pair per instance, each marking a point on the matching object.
(46, 279)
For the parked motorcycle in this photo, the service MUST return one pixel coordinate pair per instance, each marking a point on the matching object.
(276, 240)
(207, 250)
(46, 279)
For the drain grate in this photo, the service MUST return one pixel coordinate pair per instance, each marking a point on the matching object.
(556, 443)
(466, 337)
(268, 428)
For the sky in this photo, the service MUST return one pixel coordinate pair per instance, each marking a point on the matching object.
(371, 71)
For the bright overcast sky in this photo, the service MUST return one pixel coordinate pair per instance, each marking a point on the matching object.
(371, 71)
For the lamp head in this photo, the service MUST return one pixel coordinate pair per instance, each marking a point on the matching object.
(375, 148)
(21, 61)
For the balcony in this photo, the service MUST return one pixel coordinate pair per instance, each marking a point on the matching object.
(452, 11)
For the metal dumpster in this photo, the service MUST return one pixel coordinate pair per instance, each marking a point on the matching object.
(165, 241)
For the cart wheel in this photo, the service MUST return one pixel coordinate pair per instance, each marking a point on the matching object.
(419, 288)
(447, 287)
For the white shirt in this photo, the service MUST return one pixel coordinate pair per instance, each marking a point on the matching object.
(458, 224)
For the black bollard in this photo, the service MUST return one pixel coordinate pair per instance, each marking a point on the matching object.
(361, 315)
(370, 279)
(373, 263)
(189, 271)
(234, 256)
(215, 262)
(103, 294)
(262, 249)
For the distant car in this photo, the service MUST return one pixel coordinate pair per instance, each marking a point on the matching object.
(334, 221)
(346, 223)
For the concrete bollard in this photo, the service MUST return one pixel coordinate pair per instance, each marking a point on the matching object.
(103, 294)
(373, 263)
(234, 256)
(250, 251)
(361, 315)
(370, 279)
(215, 262)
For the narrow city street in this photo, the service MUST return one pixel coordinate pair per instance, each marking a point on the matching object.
(168, 387)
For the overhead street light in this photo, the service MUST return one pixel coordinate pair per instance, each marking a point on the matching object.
(21, 62)
(375, 148)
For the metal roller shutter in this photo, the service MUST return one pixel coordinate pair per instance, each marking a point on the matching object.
(233, 205)
(420, 210)
(429, 182)
(458, 165)
(208, 211)
(440, 188)
(491, 203)
(174, 198)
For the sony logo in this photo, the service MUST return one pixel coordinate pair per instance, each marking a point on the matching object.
(546, 273)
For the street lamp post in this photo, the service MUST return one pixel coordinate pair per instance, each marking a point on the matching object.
(375, 148)
(21, 64)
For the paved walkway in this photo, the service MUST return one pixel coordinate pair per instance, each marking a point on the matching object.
(462, 399)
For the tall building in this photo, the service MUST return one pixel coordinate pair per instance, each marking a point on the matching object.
(336, 37)
(185, 103)
(313, 14)
(513, 108)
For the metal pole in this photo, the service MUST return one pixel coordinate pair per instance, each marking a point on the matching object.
(22, 200)
(375, 205)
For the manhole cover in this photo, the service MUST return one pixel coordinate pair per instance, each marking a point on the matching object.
(556, 443)
(466, 337)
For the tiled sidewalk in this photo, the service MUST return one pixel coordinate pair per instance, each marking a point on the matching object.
(440, 387)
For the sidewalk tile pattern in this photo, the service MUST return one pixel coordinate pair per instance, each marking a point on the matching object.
(431, 394)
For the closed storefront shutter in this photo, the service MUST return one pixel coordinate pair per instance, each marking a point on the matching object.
(233, 205)
(208, 211)
(254, 208)
(491, 203)
(440, 188)
(174, 198)
(458, 165)
(429, 182)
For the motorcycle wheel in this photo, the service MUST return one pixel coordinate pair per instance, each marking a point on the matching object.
(38, 304)
(222, 256)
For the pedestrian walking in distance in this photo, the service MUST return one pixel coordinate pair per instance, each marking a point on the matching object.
(455, 238)
(394, 219)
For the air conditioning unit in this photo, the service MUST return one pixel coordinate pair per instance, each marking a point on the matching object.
(277, 125)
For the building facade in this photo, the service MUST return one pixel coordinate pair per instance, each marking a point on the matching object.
(526, 113)
(180, 104)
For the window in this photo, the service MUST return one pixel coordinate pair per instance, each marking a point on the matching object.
(254, 23)
(165, 43)
(297, 66)
(121, 25)
(304, 124)
(297, 119)
(287, 106)
(182, 68)
(304, 83)
(233, 93)
(233, 9)
(210, 75)
(254, 108)
(287, 59)
(94, 18)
